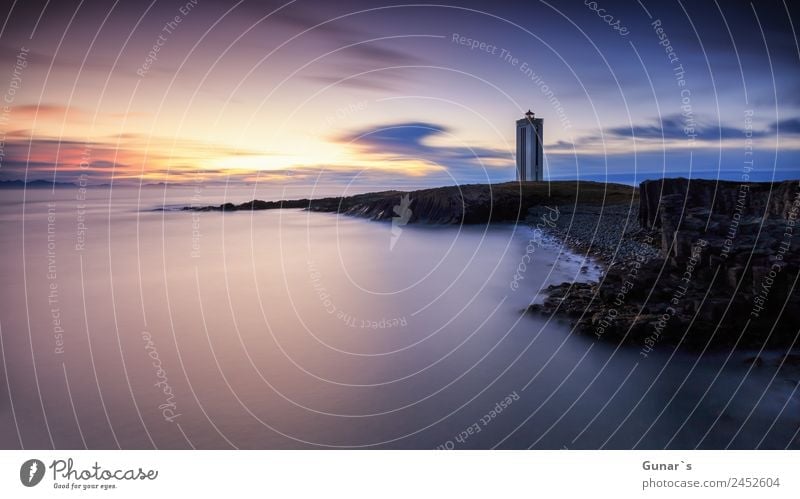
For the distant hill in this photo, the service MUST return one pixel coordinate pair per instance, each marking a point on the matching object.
(32, 184)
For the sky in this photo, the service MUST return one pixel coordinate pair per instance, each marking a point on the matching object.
(388, 94)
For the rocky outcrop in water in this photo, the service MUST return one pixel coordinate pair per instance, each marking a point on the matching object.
(726, 273)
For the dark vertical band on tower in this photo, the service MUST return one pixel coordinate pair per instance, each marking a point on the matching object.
(529, 148)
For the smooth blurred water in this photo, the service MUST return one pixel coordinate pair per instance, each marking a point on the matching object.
(288, 329)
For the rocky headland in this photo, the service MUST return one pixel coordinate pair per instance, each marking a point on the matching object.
(694, 262)
(467, 204)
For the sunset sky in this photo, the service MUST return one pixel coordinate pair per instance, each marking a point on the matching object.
(393, 94)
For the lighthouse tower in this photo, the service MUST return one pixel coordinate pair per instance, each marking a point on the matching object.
(529, 148)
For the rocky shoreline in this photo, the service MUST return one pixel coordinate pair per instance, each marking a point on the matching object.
(605, 233)
(694, 263)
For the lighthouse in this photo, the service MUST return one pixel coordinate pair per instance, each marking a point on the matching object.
(529, 148)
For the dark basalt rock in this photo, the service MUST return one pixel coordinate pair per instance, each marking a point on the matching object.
(762, 199)
(252, 205)
(726, 273)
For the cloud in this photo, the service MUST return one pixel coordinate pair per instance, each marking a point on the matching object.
(788, 126)
(675, 127)
(368, 61)
(123, 155)
(44, 111)
(561, 145)
(398, 137)
(299, 19)
(355, 52)
(372, 81)
(412, 141)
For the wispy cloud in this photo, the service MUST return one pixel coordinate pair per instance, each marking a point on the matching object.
(787, 126)
(354, 51)
(125, 156)
(415, 141)
(672, 132)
